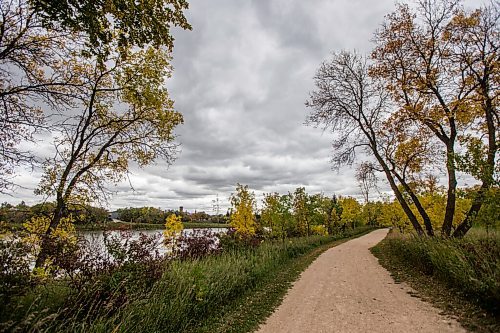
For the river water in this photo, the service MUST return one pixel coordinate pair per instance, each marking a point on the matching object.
(96, 238)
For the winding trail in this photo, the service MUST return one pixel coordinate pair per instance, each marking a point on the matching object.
(346, 290)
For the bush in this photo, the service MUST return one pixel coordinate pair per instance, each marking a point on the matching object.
(14, 269)
(232, 240)
(201, 243)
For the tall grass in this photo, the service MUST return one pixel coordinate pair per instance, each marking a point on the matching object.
(470, 266)
(187, 293)
(191, 290)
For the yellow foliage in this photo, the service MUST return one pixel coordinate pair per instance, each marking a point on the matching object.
(243, 218)
(37, 227)
(4, 230)
(319, 230)
(393, 215)
(173, 227)
(351, 210)
(41, 274)
(435, 206)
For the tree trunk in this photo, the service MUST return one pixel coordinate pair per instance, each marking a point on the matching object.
(413, 219)
(418, 205)
(452, 187)
(487, 177)
(46, 241)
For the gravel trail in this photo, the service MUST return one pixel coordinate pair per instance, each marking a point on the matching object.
(346, 290)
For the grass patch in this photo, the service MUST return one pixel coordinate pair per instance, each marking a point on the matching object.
(460, 276)
(248, 311)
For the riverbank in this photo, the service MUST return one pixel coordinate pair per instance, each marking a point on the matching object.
(459, 276)
(238, 287)
(113, 225)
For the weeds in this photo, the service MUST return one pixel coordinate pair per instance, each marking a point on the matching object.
(130, 291)
(468, 266)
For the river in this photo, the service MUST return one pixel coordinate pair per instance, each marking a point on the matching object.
(96, 238)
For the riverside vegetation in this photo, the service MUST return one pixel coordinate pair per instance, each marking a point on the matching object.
(461, 276)
(131, 287)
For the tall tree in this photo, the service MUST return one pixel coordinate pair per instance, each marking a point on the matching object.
(301, 211)
(242, 216)
(351, 211)
(123, 114)
(367, 180)
(355, 108)
(440, 65)
(38, 39)
(33, 76)
(276, 214)
(474, 38)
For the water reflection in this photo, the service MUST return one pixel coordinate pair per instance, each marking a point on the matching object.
(96, 238)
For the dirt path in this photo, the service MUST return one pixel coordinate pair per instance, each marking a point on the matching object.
(346, 290)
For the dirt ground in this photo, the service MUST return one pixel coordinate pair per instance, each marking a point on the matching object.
(346, 290)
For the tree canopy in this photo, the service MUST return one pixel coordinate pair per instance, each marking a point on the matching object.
(425, 101)
(130, 23)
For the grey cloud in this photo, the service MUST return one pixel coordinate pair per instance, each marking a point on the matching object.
(241, 79)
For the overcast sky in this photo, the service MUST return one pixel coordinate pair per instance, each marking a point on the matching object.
(241, 78)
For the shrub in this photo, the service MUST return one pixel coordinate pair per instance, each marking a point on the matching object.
(232, 240)
(14, 268)
(200, 243)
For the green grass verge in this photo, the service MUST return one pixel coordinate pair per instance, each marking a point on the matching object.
(461, 277)
(248, 311)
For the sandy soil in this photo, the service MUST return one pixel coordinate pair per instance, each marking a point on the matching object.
(346, 290)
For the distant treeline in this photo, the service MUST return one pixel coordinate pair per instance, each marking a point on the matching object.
(86, 214)
(158, 216)
(21, 213)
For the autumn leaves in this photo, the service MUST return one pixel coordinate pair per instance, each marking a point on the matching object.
(424, 102)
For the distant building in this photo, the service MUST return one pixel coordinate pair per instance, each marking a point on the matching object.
(113, 215)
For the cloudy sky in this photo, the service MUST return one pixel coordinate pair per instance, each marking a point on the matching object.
(241, 78)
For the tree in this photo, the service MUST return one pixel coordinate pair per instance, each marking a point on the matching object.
(173, 226)
(366, 178)
(334, 212)
(124, 114)
(474, 37)
(351, 211)
(243, 206)
(128, 23)
(393, 215)
(301, 213)
(61, 240)
(319, 209)
(276, 214)
(38, 40)
(355, 107)
(431, 93)
(440, 65)
(372, 213)
(33, 75)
